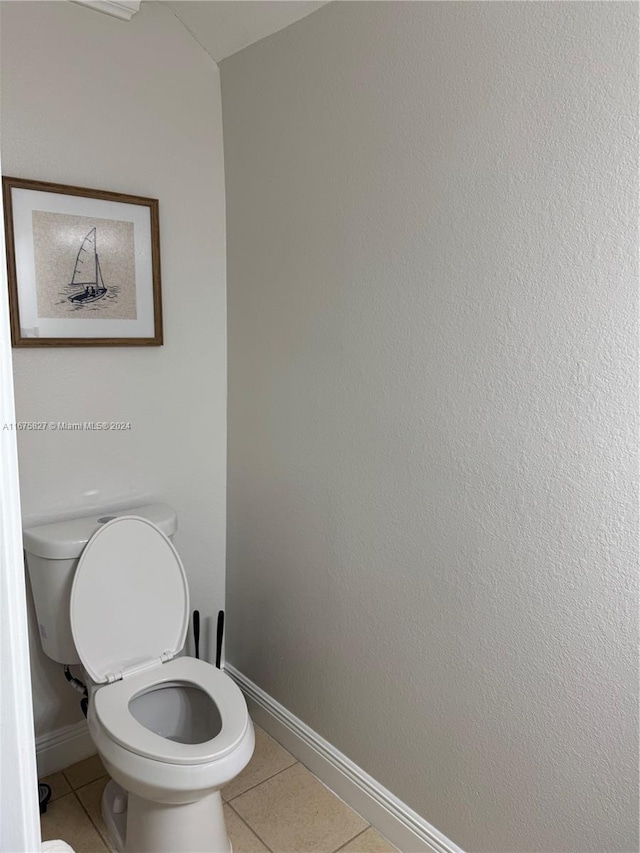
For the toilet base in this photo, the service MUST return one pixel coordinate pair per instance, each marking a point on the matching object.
(144, 826)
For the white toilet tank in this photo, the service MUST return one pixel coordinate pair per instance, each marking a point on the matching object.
(52, 553)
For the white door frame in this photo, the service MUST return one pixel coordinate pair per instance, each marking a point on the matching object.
(19, 810)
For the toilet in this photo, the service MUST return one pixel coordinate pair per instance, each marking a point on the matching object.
(111, 593)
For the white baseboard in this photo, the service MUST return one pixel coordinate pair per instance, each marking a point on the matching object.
(402, 826)
(60, 749)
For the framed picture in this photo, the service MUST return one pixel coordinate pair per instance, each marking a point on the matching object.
(83, 266)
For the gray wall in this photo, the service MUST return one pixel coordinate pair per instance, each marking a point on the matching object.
(432, 395)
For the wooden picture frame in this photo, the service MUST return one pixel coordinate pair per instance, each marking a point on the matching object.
(83, 266)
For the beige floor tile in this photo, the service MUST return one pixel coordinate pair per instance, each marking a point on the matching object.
(84, 772)
(242, 839)
(268, 758)
(369, 841)
(294, 813)
(91, 798)
(59, 785)
(66, 819)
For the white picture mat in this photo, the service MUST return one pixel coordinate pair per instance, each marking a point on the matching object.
(24, 202)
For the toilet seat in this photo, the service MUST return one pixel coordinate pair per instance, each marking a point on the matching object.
(111, 708)
(129, 605)
(129, 612)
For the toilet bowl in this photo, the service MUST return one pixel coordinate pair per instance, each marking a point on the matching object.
(171, 731)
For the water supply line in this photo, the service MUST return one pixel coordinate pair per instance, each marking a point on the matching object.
(79, 686)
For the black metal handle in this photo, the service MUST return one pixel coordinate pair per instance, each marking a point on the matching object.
(219, 633)
(196, 631)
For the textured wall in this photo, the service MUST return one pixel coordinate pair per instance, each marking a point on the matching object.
(131, 107)
(432, 394)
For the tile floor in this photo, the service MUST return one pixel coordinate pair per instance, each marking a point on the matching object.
(274, 806)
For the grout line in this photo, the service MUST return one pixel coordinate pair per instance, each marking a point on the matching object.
(257, 785)
(253, 787)
(107, 843)
(53, 802)
(81, 804)
(54, 795)
(92, 782)
(84, 784)
(97, 779)
(357, 835)
(248, 825)
(318, 779)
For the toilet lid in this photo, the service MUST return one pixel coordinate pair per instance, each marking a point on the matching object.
(129, 600)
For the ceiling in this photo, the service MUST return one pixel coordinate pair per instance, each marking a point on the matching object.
(224, 27)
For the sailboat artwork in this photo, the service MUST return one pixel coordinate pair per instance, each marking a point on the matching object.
(87, 273)
(83, 266)
(85, 269)
(91, 270)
